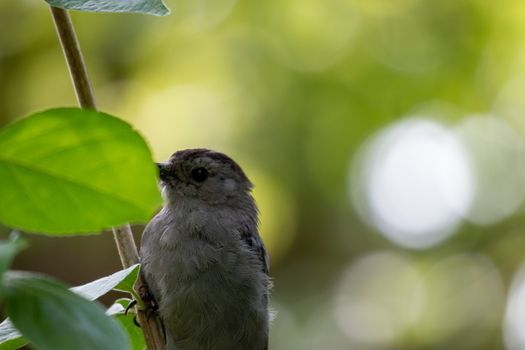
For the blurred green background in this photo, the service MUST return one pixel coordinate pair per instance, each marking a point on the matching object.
(385, 139)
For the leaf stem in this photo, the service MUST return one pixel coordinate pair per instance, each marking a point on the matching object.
(74, 58)
(138, 299)
(126, 246)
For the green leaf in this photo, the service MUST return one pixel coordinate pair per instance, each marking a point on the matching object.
(52, 317)
(127, 284)
(122, 280)
(119, 307)
(126, 321)
(10, 337)
(8, 250)
(135, 335)
(69, 170)
(150, 7)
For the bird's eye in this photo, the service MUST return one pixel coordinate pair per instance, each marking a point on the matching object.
(199, 174)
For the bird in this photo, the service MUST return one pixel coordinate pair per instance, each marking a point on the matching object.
(202, 257)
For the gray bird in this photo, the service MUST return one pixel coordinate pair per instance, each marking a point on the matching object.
(202, 257)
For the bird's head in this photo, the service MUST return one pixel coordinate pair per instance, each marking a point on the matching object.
(204, 175)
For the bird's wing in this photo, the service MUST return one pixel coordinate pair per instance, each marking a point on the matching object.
(254, 242)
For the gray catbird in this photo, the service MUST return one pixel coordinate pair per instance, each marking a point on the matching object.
(202, 257)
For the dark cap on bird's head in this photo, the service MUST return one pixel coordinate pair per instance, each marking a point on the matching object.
(203, 173)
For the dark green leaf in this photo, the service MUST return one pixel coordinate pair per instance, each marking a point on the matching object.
(52, 317)
(8, 250)
(69, 170)
(150, 7)
(10, 338)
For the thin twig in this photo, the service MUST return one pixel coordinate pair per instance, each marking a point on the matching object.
(126, 246)
(74, 58)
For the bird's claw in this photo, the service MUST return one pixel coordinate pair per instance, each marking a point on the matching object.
(151, 305)
(149, 300)
(130, 305)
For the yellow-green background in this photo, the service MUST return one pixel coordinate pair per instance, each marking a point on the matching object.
(292, 89)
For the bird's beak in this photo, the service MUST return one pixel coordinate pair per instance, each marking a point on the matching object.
(163, 171)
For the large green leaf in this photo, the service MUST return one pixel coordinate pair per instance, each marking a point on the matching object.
(69, 170)
(52, 317)
(122, 280)
(150, 7)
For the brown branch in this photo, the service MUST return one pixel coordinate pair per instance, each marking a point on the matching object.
(126, 246)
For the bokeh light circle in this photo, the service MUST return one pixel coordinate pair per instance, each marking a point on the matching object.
(201, 15)
(374, 298)
(509, 103)
(413, 182)
(463, 292)
(494, 145)
(406, 39)
(385, 299)
(307, 34)
(514, 322)
(186, 116)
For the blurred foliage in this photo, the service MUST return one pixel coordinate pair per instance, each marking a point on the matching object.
(292, 90)
(50, 316)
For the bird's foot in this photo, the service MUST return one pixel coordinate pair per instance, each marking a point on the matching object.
(151, 306)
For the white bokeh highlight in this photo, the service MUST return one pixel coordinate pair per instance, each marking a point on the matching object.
(384, 298)
(514, 323)
(465, 295)
(497, 151)
(376, 301)
(413, 182)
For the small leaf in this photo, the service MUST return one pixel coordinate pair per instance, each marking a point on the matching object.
(122, 280)
(52, 317)
(8, 250)
(119, 307)
(150, 7)
(10, 337)
(69, 170)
